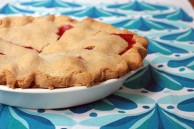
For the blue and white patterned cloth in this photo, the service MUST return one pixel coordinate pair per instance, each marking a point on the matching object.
(159, 96)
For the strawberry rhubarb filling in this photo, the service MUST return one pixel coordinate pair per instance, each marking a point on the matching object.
(31, 48)
(2, 53)
(62, 29)
(129, 39)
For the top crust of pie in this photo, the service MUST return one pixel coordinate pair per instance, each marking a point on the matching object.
(34, 55)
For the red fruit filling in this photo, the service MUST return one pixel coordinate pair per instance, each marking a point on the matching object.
(80, 57)
(89, 47)
(129, 39)
(62, 29)
(29, 47)
(1, 53)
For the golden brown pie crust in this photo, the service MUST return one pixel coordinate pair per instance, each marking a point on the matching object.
(32, 55)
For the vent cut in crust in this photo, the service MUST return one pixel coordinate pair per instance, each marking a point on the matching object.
(56, 52)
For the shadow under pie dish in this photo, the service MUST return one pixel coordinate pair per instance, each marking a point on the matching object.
(58, 52)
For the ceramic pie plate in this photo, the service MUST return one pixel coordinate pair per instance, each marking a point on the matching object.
(59, 98)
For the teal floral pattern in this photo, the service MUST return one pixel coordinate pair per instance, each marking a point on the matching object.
(50, 4)
(157, 118)
(143, 24)
(11, 9)
(179, 14)
(93, 12)
(159, 96)
(138, 6)
(184, 36)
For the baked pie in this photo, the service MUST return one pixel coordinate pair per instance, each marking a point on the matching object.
(57, 51)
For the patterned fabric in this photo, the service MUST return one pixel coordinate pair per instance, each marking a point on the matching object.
(160, 96)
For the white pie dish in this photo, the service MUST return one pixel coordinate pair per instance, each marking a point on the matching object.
(59, 98)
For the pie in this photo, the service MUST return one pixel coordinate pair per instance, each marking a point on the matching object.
(57, 52)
